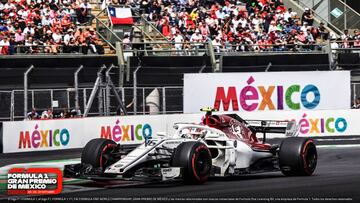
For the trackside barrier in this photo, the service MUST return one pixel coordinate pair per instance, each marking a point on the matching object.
(41, 135)
(267, 91)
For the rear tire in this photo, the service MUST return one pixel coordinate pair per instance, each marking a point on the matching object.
(297, 156)
(195, 160)
(97, 153)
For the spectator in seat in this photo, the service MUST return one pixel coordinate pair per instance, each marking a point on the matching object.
(54, 46)
(346, 39)
(47, 46)
(99, 45)
(126, 42)
(4, 46)
(165, 28)
(346, 35)
(56, 41)
(28, 45)
(88, 43)
(334, 45)
(67, 37)
(3, 27)
(301, 37)
(323, 32)
(216, 44)
(66, 22)
(307, 17)
(196, 37)
(56, 36)
(32, 115)
(48, 114)
(273, 27)
(84, 13)
(29, 30)
(79, 36)
(74, 46)
(92, 40)
(356, 39)
(289, 14)
(10, 27)
(305, 27)
(12, 45)
(356, 104)
(65, 113)
(178, 39)
(35, 47)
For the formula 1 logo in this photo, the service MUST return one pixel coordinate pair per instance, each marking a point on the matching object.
(34, 181)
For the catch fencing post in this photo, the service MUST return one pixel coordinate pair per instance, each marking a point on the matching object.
(107, 90)
(26, 90)
(135, 85)
(93, 92)
(143, 100)
(100, 93)
(163, 100)
(121, 61)
(76, 83)
(134, 88)
(12, 113)
(211, 53)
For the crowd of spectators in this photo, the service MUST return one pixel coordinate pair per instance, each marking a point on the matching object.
(53, 26)
(47, 26)
(347, 40)
(52, 114)
(241, 25)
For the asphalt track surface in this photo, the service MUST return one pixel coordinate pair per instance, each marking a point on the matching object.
(336, 179)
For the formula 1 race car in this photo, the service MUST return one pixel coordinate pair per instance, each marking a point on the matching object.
(222, 145)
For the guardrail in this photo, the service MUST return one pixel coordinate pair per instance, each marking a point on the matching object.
(12, 102)
(196, 48)
(75, 133)
(49, 49)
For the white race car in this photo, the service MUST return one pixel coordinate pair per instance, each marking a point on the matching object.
(222, 145)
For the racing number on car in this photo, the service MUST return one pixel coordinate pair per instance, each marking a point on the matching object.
(236, 130)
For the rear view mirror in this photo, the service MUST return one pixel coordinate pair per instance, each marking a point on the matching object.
(161, 134)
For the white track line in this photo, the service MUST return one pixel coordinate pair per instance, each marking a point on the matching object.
(338, 146)
(58, 164)
(336, 139)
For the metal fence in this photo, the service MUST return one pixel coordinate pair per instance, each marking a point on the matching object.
(150, 101)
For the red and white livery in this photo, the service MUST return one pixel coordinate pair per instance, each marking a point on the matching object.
(221, 145)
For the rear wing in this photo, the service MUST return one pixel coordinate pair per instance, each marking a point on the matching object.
(289, 128)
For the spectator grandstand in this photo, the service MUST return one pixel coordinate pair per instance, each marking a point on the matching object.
(233, 25)
(252, 25)
(30, 26)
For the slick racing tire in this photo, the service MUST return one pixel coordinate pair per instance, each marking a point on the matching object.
(297, 156)
(97, 153)
(195, 160)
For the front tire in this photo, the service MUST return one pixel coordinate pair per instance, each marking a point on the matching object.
(297, 156)
(195, 160)
(97, 153)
